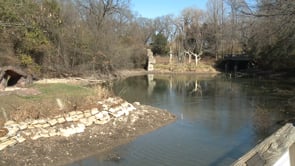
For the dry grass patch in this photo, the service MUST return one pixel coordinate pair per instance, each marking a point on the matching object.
(54, 99)
(204, 66)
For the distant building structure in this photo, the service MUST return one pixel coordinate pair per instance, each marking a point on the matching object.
(151, 60)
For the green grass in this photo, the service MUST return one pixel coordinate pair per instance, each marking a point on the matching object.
(52, 90)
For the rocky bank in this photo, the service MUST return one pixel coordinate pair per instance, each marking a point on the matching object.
(78, 134)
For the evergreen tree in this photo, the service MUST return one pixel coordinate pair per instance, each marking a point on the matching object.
(159, 45)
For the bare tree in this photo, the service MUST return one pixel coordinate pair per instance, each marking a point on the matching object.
(98, 10)
(215, 21)
(105, 20)
(194, 33)
(271, 38)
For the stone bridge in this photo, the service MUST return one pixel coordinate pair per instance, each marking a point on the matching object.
(236, 63)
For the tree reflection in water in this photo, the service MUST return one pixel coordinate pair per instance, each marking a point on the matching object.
(225, 116)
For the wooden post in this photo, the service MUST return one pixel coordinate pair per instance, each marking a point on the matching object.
(271, 149)
(170, 56)
(226, 67)
(170, 59)
(2, 84)
(292, 155)
(2, 80)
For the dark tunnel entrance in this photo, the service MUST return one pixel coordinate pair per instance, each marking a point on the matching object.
(12, 77)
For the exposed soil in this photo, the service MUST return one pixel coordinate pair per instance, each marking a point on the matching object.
(97, 139)
(19, 91)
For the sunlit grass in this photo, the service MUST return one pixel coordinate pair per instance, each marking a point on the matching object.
(182, 67)
(53, 99)
(61, 88)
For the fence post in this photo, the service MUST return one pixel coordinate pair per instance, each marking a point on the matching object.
(292, 154)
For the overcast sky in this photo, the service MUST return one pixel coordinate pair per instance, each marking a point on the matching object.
(156, 8)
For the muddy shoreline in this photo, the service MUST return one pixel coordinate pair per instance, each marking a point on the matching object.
(96, 140)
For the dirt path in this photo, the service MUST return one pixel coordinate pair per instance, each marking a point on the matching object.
(95, 140)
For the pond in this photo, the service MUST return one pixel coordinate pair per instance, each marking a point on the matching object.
(219, 119)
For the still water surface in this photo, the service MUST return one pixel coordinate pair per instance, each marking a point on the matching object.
(219, 119)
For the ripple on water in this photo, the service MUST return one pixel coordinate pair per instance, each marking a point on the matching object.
(214, 128)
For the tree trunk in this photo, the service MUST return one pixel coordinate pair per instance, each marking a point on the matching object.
(196, 60)
(170, 56)
(197, 56)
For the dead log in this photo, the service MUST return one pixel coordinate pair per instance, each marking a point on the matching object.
(269, 151)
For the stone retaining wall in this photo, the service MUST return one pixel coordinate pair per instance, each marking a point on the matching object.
(66, 124)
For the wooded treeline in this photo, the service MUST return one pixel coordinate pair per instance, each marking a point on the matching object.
(99, 36)
(72, 37)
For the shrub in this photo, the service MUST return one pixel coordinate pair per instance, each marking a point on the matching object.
(27, 62)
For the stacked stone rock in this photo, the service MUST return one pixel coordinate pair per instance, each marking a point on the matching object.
(65, 125)
(151, 60)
